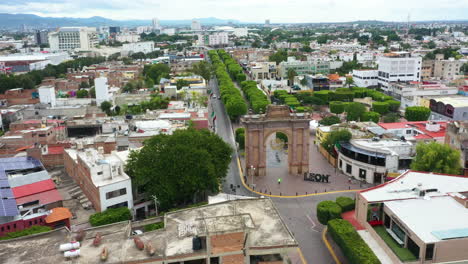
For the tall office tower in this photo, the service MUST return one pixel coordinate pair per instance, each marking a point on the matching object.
(196, 25)
(155, 24)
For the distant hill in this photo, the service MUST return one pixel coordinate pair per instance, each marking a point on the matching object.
(11, 21)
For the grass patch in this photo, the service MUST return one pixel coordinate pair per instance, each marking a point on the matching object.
(403, 254)
(154, 226)
(26, 232)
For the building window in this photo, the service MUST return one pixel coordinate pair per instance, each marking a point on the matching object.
(99, 173)
(362, 173)
(348, 168)
(124, 204)
(341, 163)
(116, 193)
(429, 251)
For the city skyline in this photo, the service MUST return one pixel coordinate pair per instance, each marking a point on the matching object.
(256, 11)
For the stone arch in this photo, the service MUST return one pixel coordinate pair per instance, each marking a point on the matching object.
(277, 119)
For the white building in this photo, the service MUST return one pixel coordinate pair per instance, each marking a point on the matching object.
(145, 47)
(73, 38)
(169, 31)
(155, 24)
(370, 159)
(47, 95)
(102, 90)
(127, 37)
(365, 78)
(398, 67)
(241, 32)
(218, 38)
(196, 25)
(416, 94)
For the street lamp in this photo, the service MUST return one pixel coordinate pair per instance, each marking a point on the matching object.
(252, 172)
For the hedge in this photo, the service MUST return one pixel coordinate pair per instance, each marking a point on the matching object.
(337, 107)
(417, 113)
(111, 215)
(346, 203)
(324, 95)
(370, 116)
(343, 94)
(330, 120)
(352, 245)
(240, 137)
(328, 210)
(380, 107)
(258, 100)
(393, 105)
(26, 232)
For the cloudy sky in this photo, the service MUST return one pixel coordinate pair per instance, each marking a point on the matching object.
(246, 10)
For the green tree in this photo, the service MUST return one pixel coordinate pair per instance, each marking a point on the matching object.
(181, 83)
(291, 74)
(337, 107)
(436, 157)
(354, 111)
(203, 68)
(349, 81)
(279, 56)
(303, 81)
(464, 68)
(417, 113)
(84, 85)
(380, 107)
(391, 118)
(106, 107)
(342, 135)
(92, 92)
(240, 137)
(82, 93)
(149, 83)
(204, 163)
(330, 120)
(370, 116)
(157, 71)
(328, 210)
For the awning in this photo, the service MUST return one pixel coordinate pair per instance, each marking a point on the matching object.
(362, 151)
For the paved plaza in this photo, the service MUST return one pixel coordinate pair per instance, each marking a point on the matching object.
(291, 185)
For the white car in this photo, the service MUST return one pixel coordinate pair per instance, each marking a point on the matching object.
(136, 232)
(214, 97)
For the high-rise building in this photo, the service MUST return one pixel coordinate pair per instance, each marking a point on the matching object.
(114, 30)
(71, 38)
(155, 24)
(41, 37)
(398, 67)
(219, 38)
(267, 22)
(196, 25)
(102, 90)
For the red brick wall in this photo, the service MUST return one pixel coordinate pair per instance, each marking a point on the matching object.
(21, 224)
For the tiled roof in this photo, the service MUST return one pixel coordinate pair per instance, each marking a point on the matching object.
(58, 214)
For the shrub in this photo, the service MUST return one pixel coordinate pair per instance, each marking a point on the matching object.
(417, 113)
(111, 215)
(154, 226)
(370, 116)
(346, 203)
(328, 210)
(380, 107)
(240, 137)
(337, 107)
(360, 92)
(258, 100)
(26, 232)
(241, 77)
(354, 111)
(391, 118)
(352, 245)
(343, 94)
(324, 95)
(393, 105)
(330, 120)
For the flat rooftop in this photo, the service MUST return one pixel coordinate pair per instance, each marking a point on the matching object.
(402, 187)
(257, 217)
(433, 215)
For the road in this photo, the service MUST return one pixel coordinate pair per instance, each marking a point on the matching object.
(224, 130)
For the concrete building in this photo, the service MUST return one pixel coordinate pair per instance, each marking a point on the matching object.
(145, 47)
(155, 24)
(398, 67)
(47, 95)
(317, 82)
(196, 25)
(416, 93)
(218, 39)
(442, 69)
(246, 231)
(100, 176)
(418, 131)
(370, 160)
(168, 31)
(262, 70)
(41, 37)
(424, 213)
(73, 38)
(457, 138)
(453, 107)
(102, 90)
(127, 37)
(365, 78)
(303, 67)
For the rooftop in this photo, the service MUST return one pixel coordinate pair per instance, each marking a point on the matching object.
(402, 187)
(454, 100)
(226, 222)
(434, 215)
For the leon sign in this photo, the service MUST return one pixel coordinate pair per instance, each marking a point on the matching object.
(316, 177)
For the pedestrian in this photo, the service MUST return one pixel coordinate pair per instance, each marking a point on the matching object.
(279, 180)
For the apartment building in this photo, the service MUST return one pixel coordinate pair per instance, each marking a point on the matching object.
(73, 38)
(365, 78)
(100, 176)
(145, 47)
(196, 25)
(457, 137)
(415, 93)
(303, 67)
(452, 107)
(127, 37)
(262, 70)
(442, 69)
(218, 39)
(398, 67)
(423, 214)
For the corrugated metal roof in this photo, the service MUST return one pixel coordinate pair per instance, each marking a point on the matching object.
(29, 178)
(30, 189)
(44, 198)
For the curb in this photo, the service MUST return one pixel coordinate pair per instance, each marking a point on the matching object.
(327, 244)
(241, 174)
